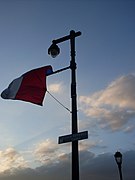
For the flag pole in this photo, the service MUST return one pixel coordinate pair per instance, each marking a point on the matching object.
(58, 71)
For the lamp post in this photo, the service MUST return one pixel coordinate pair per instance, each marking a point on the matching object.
(118, 158)
(54, 51)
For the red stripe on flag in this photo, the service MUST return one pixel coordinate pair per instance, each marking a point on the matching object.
(33, 86)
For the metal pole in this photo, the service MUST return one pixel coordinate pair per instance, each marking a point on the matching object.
(75, 157)
(120, 171)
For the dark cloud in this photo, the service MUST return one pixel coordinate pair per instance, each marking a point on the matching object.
(92, 167)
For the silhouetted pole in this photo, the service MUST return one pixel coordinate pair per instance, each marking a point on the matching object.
(75, 156)
(120, 172)
(54, 51)
(118, 158)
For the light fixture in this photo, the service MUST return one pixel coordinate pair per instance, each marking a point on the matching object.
(53, 50)
(118, 158)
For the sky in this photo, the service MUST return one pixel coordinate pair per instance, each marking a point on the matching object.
(105, 57)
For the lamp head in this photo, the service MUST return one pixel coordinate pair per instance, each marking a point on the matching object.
(53, 50)
(118, 157)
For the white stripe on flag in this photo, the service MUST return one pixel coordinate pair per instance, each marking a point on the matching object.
(12, 89)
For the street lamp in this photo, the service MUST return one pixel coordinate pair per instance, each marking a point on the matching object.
(54, 51)
(118, 158)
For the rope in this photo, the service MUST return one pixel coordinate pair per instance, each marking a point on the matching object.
(59, 102)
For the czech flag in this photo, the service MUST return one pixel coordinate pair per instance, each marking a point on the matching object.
(30, 87)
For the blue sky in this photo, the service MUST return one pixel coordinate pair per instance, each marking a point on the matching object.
(105, 56)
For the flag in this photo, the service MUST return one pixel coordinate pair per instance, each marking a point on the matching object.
(30, 87)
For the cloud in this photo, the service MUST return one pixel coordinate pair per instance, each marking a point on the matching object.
(93, 167)
(55, 88)
(46, 151)
(114, 106)
(88, 145)
(129, 128)
(11, 158)
(49, 151)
